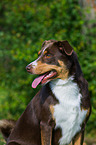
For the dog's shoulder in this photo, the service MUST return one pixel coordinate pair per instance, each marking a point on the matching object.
(43, 102)
(47, 96)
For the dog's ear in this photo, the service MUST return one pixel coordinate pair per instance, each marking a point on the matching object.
(6, 127)
(64, 46)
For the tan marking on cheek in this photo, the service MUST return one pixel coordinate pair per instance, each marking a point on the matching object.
(63, 72)
(61, 63)
(52, 111)
(43, 68)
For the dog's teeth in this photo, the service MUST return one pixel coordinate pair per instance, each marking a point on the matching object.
(49, 74)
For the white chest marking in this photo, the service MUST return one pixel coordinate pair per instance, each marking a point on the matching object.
(67, 113)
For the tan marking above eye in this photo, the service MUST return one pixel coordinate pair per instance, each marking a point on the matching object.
(45, 52)
(39, 52)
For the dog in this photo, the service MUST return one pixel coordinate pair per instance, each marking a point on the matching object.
(58, 113)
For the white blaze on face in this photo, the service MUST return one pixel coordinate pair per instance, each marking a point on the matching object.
(34, 63)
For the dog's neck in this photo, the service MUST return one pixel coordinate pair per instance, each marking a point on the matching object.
(60, 82)
(67, 89)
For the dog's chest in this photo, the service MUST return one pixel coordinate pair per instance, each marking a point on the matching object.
(67, 113)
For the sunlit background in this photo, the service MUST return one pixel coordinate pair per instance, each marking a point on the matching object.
(24, 25)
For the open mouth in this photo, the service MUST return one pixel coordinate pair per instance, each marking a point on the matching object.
(44, 78)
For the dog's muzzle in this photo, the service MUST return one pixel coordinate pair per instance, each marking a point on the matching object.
(29, 68)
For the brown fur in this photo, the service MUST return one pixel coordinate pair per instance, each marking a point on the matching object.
(36, 126)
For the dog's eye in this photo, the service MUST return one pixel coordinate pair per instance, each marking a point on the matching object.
(47, 55)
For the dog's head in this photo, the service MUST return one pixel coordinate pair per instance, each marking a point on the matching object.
(55, 61)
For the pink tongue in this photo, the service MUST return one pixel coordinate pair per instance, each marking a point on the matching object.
(37, 81)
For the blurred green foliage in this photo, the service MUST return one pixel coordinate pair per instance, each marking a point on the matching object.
(24, 25)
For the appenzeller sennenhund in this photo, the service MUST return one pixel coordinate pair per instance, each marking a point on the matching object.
(57, 115)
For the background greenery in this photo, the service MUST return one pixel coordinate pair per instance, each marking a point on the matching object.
(24, 25)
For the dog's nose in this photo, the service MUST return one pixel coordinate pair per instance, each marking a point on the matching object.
(28, 67)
